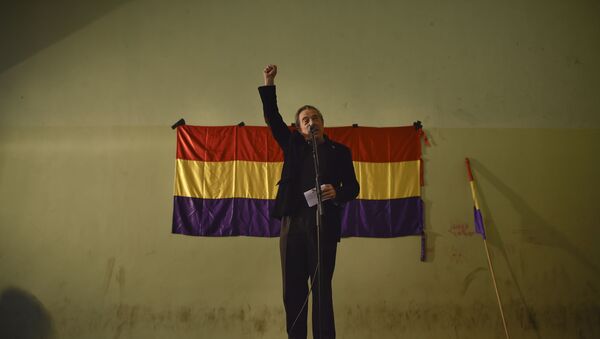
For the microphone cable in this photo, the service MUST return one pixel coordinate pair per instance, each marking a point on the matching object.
(312, 284)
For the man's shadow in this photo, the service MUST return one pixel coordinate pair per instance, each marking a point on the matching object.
(22, 316)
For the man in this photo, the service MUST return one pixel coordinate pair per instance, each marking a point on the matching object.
(298, 240)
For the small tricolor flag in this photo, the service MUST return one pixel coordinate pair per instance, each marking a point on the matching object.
(479, 228)
(225, 181)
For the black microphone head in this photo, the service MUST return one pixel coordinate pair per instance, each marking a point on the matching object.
(312, 128)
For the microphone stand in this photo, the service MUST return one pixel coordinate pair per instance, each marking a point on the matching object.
(319, 217)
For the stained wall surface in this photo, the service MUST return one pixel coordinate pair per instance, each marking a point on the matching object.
(88, 92)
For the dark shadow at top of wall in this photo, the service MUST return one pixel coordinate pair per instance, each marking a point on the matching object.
(22, 316)
(26, 27)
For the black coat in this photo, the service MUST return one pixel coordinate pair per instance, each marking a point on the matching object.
(292, 143)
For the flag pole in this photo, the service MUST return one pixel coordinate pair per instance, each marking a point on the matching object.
(480, 228)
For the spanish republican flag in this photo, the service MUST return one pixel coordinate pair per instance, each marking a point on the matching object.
(225, 181)
(479, 227)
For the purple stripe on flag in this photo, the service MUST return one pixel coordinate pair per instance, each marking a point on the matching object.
(383, 218)
(223, 217)
(479, 222)
(250, 217)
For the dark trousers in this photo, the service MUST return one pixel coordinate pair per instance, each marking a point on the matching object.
(298, 247)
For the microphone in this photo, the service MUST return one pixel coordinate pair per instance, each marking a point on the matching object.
(312, 128)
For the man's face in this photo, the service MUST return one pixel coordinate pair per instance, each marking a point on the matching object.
(308, 117)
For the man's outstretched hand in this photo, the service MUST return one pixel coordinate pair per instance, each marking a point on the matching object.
(269, 74)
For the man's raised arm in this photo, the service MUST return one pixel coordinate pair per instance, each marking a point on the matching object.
(273, 118)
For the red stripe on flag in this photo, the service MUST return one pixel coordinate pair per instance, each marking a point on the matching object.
(227, 143)
(254, 143)
(379, 144)
(469, 172)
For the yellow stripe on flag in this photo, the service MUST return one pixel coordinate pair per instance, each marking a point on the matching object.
(472, 182)
(257, 180)
(388, 180)
(227, 179)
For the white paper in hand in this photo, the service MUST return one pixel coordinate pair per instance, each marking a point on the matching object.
(311, 196)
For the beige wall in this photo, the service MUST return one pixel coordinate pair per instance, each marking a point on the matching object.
(88, 92)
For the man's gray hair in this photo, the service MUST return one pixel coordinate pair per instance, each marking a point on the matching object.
(303, 108)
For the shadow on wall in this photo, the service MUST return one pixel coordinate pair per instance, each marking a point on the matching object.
(22, 316)
(430, 236)
(30, 26)
(533, 229)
